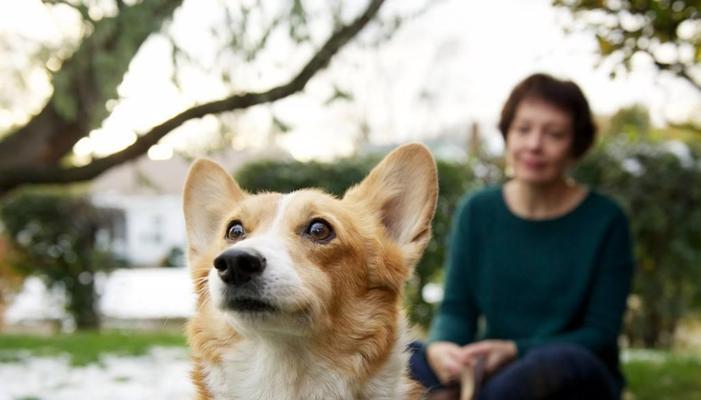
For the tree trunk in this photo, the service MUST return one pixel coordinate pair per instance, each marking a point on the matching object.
(82, 301)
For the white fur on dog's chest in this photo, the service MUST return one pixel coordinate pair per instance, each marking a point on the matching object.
(256, 371)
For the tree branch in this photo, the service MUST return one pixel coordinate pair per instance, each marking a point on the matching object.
(13, 177)
(680, 70)
(684, 73)
(86, 81)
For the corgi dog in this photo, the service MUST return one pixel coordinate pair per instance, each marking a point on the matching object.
(299, 294)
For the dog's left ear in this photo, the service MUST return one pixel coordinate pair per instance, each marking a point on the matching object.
(403, 190)
(209, 194)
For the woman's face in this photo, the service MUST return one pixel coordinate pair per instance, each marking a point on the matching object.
(539, 142)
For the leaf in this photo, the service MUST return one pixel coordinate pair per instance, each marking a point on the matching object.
(605, 46)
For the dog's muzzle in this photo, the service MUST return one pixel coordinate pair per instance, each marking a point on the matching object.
(239, 266)
(241, 269)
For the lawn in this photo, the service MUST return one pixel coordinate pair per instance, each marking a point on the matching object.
(664, 376)
(651, 374)
(86, 347)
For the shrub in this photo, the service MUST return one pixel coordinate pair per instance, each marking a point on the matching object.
(61, 238)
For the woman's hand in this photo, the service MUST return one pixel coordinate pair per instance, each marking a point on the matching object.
(446, 359)
(496, 353)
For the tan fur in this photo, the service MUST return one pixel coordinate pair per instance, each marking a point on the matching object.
(352, 285)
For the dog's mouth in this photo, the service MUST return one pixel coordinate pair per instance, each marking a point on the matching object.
(250, 305)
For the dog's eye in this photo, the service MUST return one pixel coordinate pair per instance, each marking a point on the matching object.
(320, 231)
(235, 231)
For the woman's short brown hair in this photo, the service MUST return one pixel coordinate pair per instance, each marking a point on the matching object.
(565, 95)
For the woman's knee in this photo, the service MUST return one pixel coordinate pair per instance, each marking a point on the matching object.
(552, 371)
(419, 368)
(562, 352)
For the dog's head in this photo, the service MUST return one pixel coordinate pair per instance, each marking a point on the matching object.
(298, 263)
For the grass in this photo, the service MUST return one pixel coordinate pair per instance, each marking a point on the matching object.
(651, 375)
(86, 347)
(672, 376)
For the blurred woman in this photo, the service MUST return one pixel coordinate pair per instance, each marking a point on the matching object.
(539, 268)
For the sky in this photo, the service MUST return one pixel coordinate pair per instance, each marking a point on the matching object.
(453, 65)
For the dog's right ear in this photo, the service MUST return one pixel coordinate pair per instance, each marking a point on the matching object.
(209, 194)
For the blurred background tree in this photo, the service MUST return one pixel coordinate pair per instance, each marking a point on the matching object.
(668, 32)
(63, 239)
(85, 75)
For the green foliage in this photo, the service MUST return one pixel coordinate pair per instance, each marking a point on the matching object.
(287, 176)
(626, 28)
(454, 181)
(631, 121)
(54, 235)
(661, 193)
(87, 346)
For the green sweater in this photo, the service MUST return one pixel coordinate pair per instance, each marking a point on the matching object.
(535, 282)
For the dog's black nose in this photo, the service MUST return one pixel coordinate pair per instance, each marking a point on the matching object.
(238, 266)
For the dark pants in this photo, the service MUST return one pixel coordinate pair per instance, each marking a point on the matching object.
(556, 371)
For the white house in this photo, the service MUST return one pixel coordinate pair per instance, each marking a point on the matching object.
(152, 227)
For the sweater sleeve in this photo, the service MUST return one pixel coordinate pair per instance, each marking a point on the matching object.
(456, 320)
(607, 302)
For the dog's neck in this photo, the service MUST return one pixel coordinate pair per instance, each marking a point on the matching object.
(289, 369)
